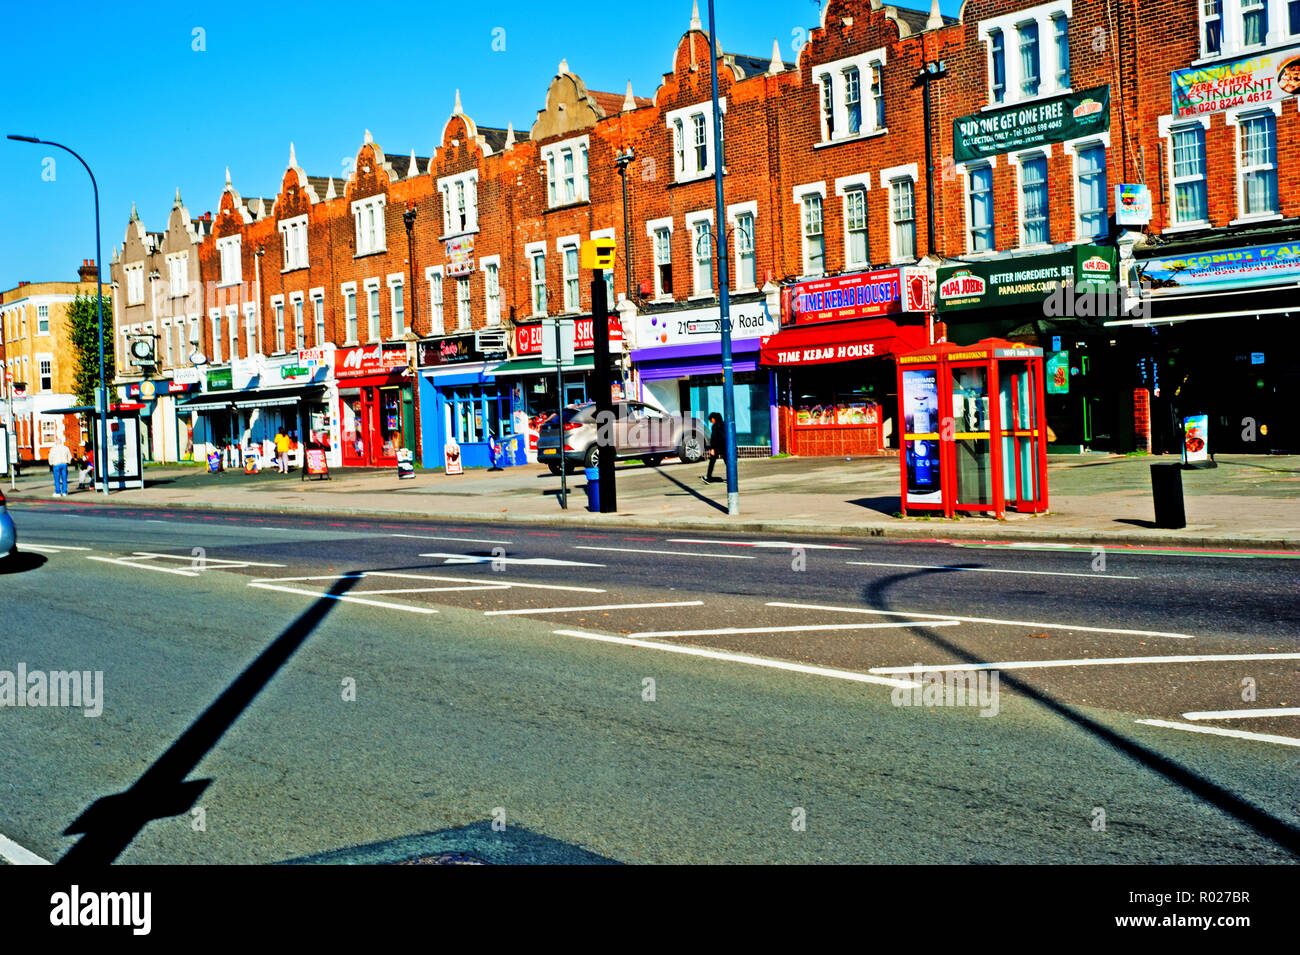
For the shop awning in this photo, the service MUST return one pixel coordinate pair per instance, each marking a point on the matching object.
(534, 366)
(840, 341)
(277, 397)
(209, 402)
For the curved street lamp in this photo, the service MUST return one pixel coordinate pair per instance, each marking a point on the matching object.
(99, 299)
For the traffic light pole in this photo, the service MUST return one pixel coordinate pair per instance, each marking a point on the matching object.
(600, 381)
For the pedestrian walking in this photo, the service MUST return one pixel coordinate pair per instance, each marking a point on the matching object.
(717, 444)
(60, 458)
(282, 451)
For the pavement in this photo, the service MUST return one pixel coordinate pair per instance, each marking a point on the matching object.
(1247, 502)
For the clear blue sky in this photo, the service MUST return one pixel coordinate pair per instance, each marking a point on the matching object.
(121, 84)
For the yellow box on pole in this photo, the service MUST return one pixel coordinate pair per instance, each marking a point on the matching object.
(597, 254)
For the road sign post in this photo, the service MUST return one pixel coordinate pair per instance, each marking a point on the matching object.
(597, 255)
(557, 350)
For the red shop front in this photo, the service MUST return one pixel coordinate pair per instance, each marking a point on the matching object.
(836, 386)
(376, 404)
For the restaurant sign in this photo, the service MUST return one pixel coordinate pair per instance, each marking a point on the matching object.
(220, 379)
(1052, 120)
(528, 338)
(1254, 265)
(1249, 81)
(460, 255)
(453, 350)
(381, 359)
(859, 295)
(1026, 279)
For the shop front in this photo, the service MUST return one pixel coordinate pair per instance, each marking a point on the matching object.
(835, 382)
(376, 404)
(1058, 301)
(464, 411)
(677, 365)
(1216, 335)
(166, 426)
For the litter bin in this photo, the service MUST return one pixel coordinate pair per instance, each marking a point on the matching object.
(1167, 494)
(593, 488)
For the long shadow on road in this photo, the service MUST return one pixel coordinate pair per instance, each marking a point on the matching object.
(110, 823)
(1278, 831)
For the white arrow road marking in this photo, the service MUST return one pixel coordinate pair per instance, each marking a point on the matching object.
(531, 561)
(1087, 662)
(1011, 623)
(462, 540)
(675, 553)
(687, 650)
(673, 603)
(1242, 714)
(992, 570)
(1220, 731)
(775, 545)
(345, 597)
(15, 854)
(217, 563)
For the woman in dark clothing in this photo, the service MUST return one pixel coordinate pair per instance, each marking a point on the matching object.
(717, 444)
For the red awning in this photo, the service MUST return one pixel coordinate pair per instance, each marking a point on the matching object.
(840, 341)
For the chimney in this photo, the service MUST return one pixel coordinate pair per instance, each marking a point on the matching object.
(88, 272)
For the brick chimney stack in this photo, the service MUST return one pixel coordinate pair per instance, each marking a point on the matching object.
(88, 272)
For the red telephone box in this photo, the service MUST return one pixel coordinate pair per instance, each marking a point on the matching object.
(973, 428)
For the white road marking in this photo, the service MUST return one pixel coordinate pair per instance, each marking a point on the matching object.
(531, 561)
(454, 580)
(1220, 731)
(687, 650)
(723, 631)
(52, 548)
(775, 545)
(142, 566)
(992, 570)
(433, 590)
(1011, 623)
(1089, 662)
(219, 563)
(345, 597)
(463, 540)
(673, 603)
(15, 854)
(675, 553)
(1242, 714)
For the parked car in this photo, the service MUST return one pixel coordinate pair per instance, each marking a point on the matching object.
(8, 535)
(640, 431)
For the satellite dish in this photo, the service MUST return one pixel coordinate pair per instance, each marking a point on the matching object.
(198, 358)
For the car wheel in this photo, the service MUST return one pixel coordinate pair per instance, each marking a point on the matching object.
(691, 449)
(555, 468)
(592, 459)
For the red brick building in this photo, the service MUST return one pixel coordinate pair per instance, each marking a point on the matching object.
(1038, 111)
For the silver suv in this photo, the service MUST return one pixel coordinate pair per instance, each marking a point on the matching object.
(639, 431)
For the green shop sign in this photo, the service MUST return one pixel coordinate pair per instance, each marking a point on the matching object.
(219, 379)
(1053, 120)
(1033, 279)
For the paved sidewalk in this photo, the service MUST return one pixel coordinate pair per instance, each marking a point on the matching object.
(1249, 501)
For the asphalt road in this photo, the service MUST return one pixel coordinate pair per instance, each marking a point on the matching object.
(533, 694)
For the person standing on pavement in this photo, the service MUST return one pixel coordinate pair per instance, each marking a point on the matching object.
(60, 458)
(281, 451)
(717, 444)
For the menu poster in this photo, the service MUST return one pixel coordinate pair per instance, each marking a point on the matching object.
(1196, 438)
(920, 402)
(451, 458)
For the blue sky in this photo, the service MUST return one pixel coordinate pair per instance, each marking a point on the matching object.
(123, 85)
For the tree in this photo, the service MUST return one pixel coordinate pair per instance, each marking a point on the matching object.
(83, 333)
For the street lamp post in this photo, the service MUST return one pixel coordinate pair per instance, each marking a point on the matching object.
(408, 218)
(724, 302)
(624, 160)
(99, 289)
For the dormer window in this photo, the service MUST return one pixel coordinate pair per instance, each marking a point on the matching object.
(692, 131)
(459, 203)
(567, 180)
(1029, 52)
(840, 92)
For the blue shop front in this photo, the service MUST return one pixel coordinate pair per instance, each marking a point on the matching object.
(466, 414)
